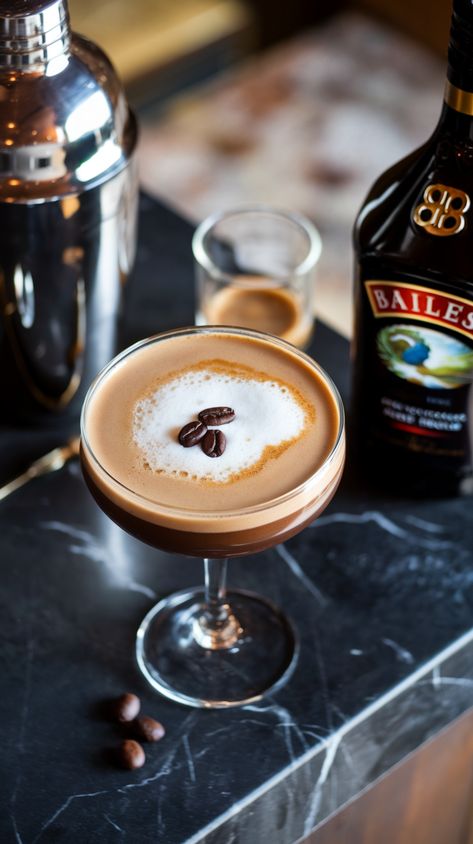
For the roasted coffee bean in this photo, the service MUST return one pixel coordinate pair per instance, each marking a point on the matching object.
(126, 707)
(148, 729)
(131, 754)
(213, 444)
(192, 433)
(216, 415)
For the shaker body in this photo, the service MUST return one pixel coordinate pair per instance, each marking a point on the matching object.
(68, 210)
(62, 266)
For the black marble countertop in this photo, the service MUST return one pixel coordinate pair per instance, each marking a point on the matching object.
(380, 589)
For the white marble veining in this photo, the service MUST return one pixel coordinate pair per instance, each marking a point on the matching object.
(111, 555)
(112, 823)
(402, 654)
(438, 680)
(297, 569)
(170, 762)
(62, 809)
(388, 525)
(16, 833)
(190, 761)
(284, 721)
(331, 750)
(429, 527)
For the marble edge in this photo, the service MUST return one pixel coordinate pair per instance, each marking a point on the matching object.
(330, 744)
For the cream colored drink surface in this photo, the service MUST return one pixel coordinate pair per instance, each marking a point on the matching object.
(285, 426)
(260, 304)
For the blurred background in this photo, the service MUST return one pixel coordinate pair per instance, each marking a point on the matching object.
(300, 104)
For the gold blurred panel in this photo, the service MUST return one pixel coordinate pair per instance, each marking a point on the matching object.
(143, 35)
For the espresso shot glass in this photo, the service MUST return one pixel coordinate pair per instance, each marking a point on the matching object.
(255, 268)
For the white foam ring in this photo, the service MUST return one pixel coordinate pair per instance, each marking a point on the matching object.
(268, 413)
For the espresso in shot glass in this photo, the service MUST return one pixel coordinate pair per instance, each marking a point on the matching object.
(255, 268)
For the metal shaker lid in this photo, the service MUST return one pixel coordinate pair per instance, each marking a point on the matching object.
(31, 31)
(65, 125)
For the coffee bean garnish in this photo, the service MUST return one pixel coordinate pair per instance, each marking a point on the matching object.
(213, 444)
(217, 415)
(148, 729)
(127, 707)
(192, 433)
(131, 755)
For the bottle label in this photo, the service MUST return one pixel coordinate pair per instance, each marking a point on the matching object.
(423, 343)
(411, 301)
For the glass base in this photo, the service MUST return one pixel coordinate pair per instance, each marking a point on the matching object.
(179, 658)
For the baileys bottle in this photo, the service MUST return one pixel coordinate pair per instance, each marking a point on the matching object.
(413, 345)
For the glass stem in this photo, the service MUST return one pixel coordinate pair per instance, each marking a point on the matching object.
(216, 627)
(216, 587)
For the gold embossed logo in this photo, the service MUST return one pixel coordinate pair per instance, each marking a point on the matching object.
(442, 212)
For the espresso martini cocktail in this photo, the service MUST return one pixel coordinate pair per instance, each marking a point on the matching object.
(213, 442)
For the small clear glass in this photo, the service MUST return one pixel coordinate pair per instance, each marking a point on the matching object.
(255, 268)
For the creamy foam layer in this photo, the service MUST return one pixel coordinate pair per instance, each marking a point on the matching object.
(270, 416)
(299, 410)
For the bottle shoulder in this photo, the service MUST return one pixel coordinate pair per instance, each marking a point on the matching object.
(418, 216)
(386, 198)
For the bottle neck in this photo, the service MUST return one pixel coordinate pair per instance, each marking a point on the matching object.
(458, 100)
(457, 112)
(33, 33)
(456, 118)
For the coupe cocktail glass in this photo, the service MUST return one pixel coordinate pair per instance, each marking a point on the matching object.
(206, 647)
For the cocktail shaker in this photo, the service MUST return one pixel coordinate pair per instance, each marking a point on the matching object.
(68, 209)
